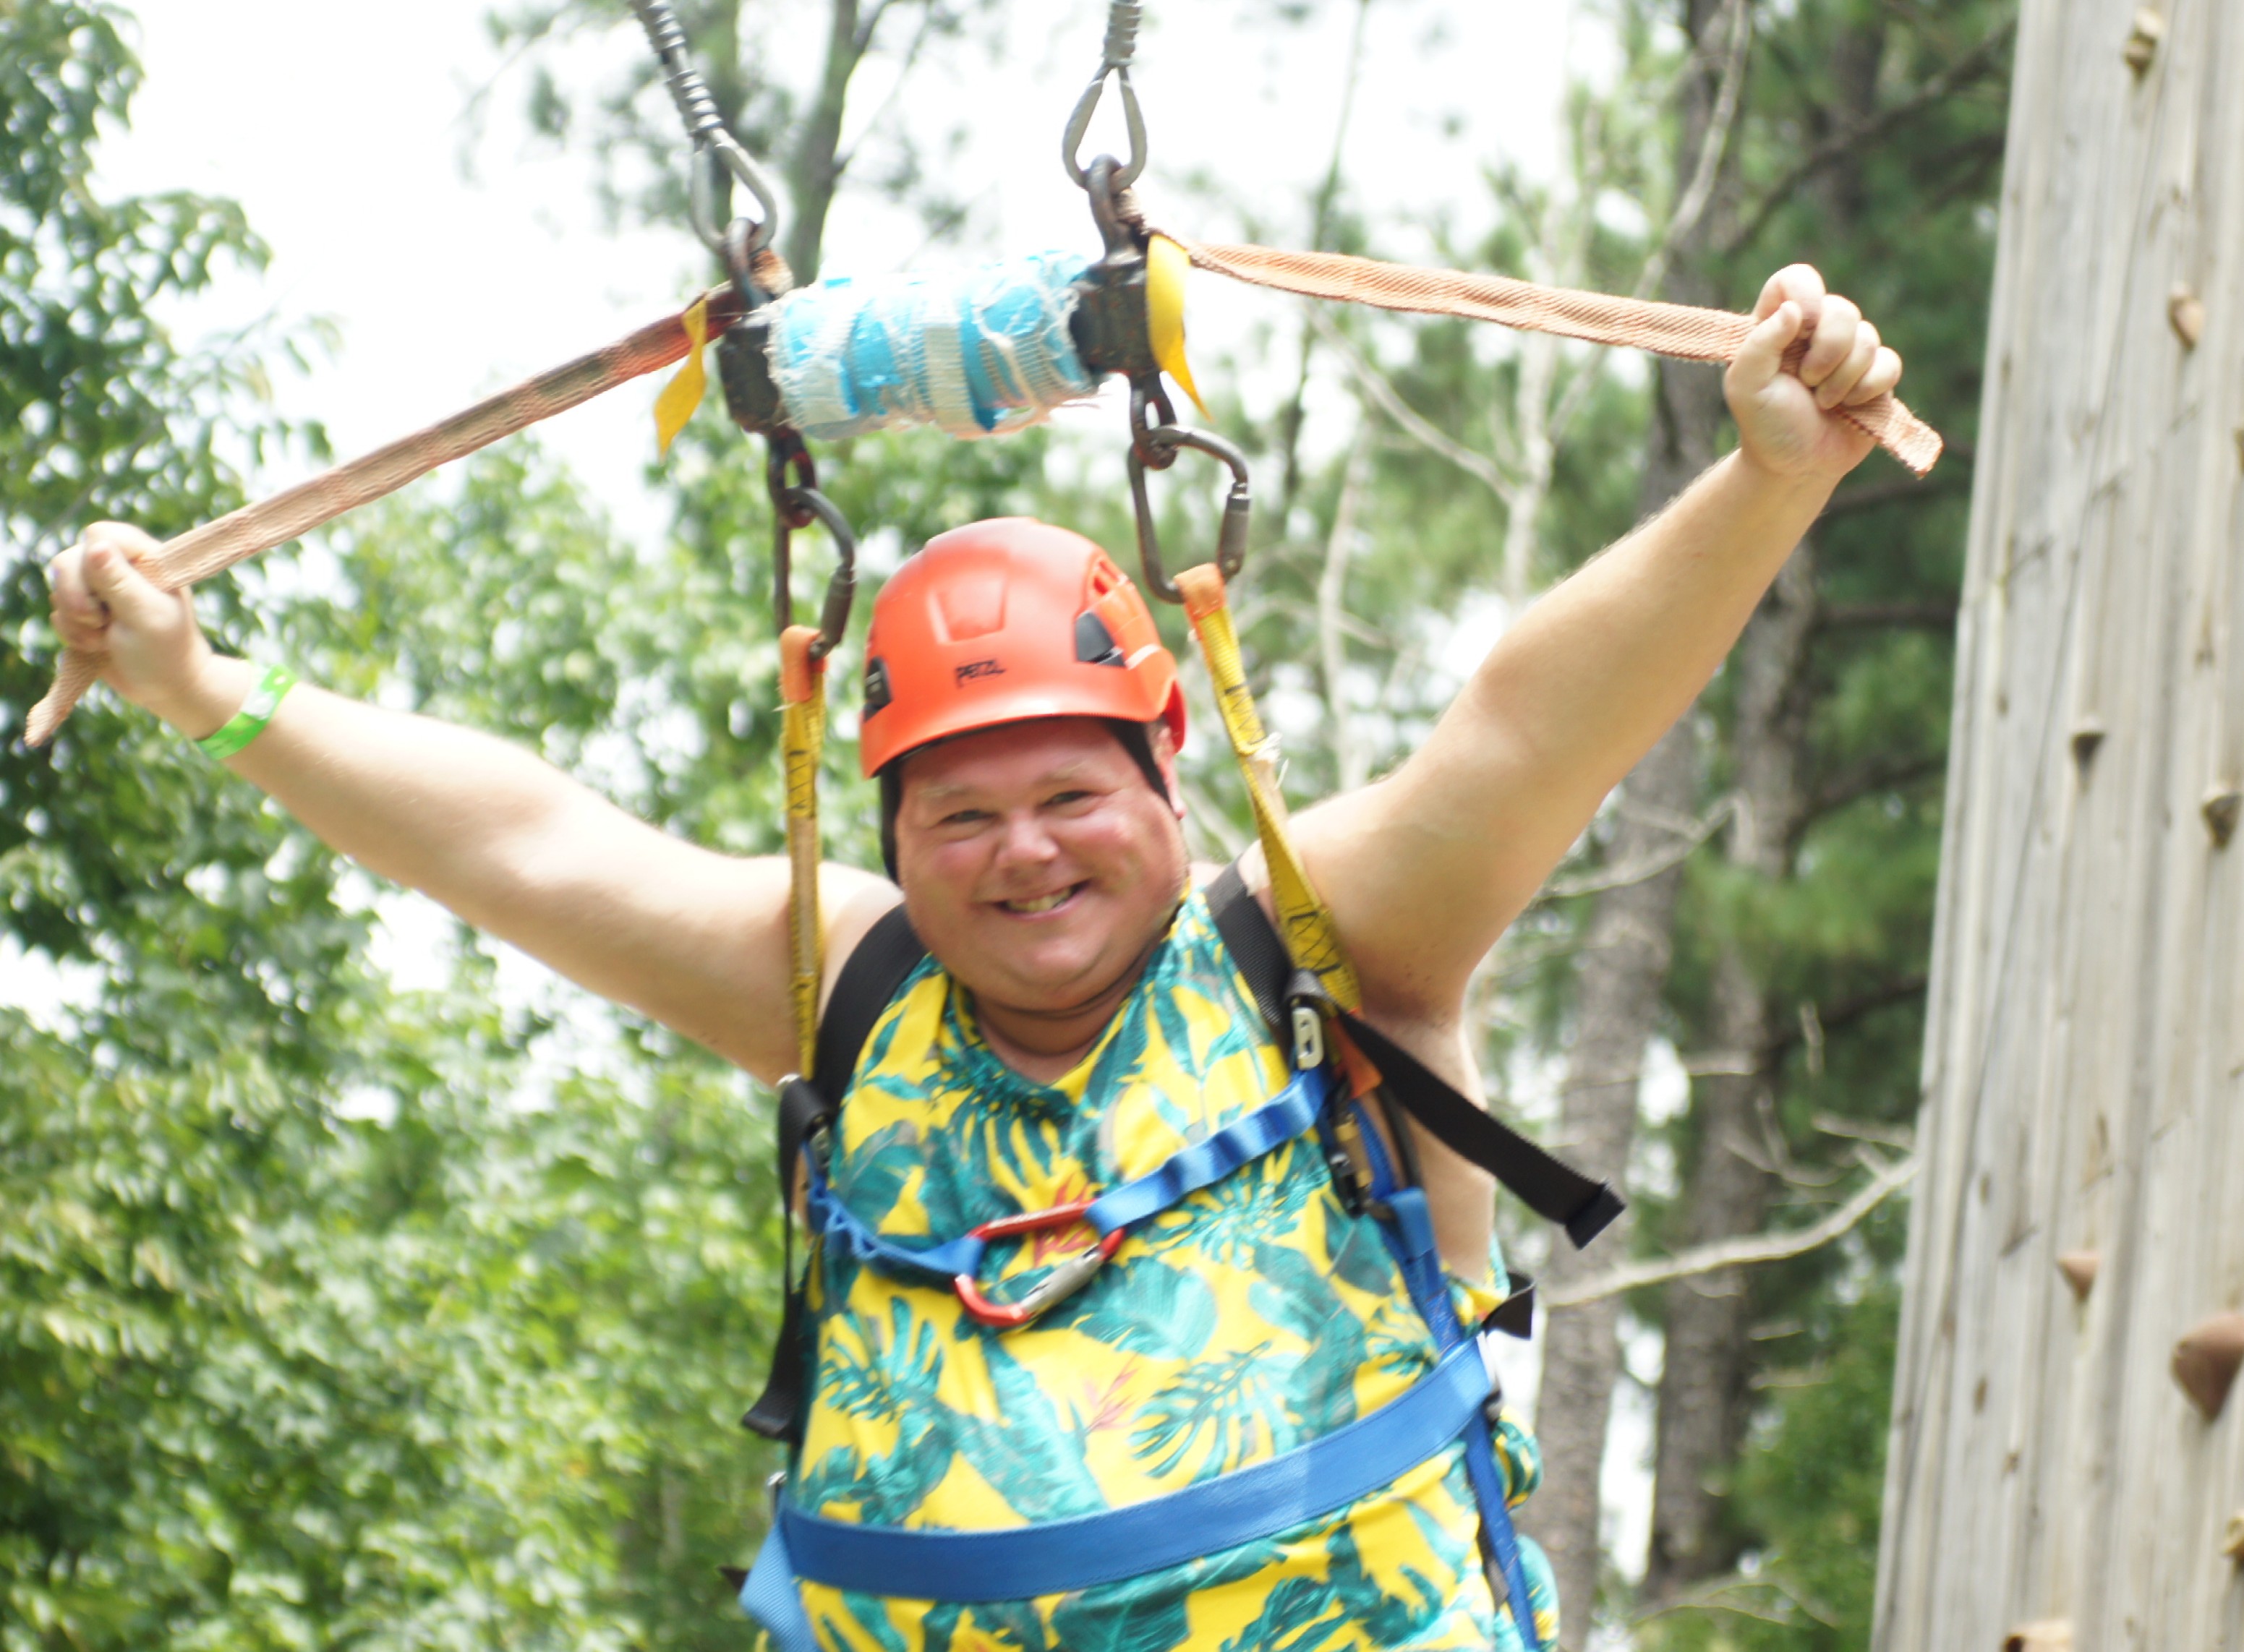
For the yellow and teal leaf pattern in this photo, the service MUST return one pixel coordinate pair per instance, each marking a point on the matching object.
(1255, 1316)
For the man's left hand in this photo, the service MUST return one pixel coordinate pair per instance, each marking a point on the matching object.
(1784, 426)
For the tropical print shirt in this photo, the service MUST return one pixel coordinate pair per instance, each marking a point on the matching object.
(1253, 1317)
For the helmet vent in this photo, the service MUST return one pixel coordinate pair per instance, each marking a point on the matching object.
(1094, 644)
(968, 605)
(877, 692)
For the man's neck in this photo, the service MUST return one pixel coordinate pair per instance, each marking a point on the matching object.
(1045, 1045)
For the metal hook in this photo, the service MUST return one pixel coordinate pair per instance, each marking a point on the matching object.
(1114, 60)
(796, 503)
(718, 160)
(713, 143)
(1156, 447)
(1079, 124)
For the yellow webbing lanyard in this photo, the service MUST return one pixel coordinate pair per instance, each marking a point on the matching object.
(1304, 923)
(802, 737)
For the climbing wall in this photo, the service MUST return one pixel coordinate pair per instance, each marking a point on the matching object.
(2080, 1212)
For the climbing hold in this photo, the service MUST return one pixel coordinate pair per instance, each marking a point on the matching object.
(2053, 1636)
(2079, 1268)
(2142, 47)
(2187, 311)
(2232, 1542)
(2087, 735)
(2205, 1361)
(2220, 808)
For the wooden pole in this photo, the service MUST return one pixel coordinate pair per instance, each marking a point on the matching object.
(2084, 1061)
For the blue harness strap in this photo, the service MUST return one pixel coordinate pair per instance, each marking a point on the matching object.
(1021, 1562)
(1291, 1113)
(771, 1598)
(1410, 1233)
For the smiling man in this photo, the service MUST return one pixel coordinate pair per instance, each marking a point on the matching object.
(1249, 1410)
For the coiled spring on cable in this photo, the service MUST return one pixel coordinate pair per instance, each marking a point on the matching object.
(1122, 33)
(712, 139)
(687, 90)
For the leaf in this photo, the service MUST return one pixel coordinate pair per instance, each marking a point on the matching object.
(1142, 1306)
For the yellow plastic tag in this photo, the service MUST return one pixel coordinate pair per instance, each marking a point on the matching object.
(675, 406)
(1166, 263)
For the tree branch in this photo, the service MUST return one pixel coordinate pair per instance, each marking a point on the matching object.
(1377, 389)
(1954, 478)
(1847, 1011)
(869, 24)
(1332, 639)
(1692, 206)
(1980, 60)
(1932, 617)
(1750, 1252)
(1644, 869)
(1860, 783)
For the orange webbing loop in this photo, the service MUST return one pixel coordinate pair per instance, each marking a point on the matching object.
(802, 741)
(1304, 922)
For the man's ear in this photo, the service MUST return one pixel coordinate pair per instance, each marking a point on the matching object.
(1165, 759)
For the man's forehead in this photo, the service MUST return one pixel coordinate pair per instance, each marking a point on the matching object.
(1054, 749)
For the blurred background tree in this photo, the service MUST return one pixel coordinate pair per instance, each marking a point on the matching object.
(335, 1307)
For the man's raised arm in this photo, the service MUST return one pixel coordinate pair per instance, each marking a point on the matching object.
(694, 939)
(1425, 868)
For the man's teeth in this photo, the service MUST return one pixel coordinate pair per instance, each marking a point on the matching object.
(1037, 903)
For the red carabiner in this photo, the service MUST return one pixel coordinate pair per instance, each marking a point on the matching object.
(1056, 1287)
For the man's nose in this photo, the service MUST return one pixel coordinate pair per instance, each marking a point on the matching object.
(1026, 841)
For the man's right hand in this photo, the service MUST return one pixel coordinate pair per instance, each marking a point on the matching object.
(154, 653)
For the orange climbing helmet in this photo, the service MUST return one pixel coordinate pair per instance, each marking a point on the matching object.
(1003, 620)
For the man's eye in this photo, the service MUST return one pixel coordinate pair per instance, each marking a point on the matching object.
(964, 818)
(1063, 800)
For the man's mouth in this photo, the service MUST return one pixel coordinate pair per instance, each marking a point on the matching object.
(1029, 906)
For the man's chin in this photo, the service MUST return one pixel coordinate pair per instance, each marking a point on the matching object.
(1049, 975)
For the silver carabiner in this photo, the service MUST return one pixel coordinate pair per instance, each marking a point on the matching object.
(1155, 447)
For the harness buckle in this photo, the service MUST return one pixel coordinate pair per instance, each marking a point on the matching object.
(1056, 1287)
(1308, 1037)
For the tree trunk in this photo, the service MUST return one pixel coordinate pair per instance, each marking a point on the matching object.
(1624, 970)
(2083, 1065)
(813, 167)
(1703, 1390)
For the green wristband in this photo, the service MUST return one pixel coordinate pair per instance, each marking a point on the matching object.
(256, 711)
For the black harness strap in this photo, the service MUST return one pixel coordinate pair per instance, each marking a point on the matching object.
(1552, 1189)
(870, 979)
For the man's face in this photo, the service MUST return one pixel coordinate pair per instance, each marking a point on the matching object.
(1037, 863)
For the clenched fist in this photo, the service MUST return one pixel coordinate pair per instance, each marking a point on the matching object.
(1782, 425)
(154, 654)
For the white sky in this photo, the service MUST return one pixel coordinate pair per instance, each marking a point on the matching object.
(341, 131)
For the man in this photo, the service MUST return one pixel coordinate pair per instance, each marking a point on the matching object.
(1078, 1020)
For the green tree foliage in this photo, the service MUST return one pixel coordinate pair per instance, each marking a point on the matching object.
(334, 1311)
(327, 1313)
(1869, 142)
(1812, 1477)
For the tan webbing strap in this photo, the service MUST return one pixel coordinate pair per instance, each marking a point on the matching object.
(203, 552)
(1304, 924)
(1596, 318)
(802, 740)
